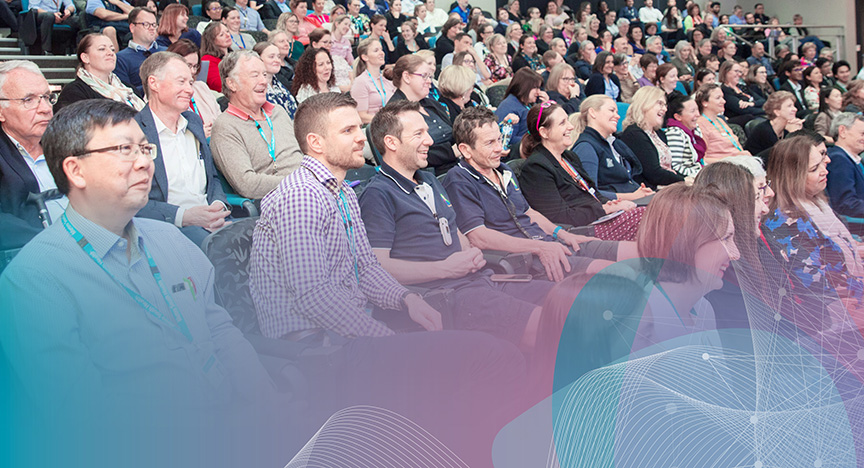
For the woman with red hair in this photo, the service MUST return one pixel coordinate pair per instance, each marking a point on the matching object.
(172, 26)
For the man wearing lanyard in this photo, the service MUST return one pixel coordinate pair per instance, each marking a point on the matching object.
(492, 212)
(250, 20)
(312, 275)
(142, 24)
(51, 12)
(253, 140)
(412, 230)
(845, 173)
(25, 110)
(110, 320)
(186, 190)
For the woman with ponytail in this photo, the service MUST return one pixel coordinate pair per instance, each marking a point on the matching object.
(370, 89)
(555, 183)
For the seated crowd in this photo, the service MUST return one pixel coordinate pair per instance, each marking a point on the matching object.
(390, 148)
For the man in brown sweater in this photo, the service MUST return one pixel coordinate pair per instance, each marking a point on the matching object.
(253, 141)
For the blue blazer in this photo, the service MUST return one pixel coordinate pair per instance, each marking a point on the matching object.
(845, 184)
(158, 207)
(19, 220)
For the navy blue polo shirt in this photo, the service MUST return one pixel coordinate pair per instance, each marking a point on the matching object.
(396, 218)
(478, 202)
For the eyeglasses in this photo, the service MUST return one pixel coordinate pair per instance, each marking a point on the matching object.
(568, 78)
(215, 8)
(32, 102)
(194, 67)
(147, 25)
(763, 189)
(127, 152)
(426, 76)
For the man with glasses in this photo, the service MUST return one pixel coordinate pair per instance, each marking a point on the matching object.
(142, 24)
(111, 319)
(793, 71)
(25, 110)
(186, 190)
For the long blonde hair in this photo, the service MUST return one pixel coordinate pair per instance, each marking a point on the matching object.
(644, 98)
(360, 64)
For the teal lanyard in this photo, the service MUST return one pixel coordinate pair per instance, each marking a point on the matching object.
(271, 144)
(724, 130)
(195, 107)
(692, 312)
(381, 92)
(154, 270)
(345, 213)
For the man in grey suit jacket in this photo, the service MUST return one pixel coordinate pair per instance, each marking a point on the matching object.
(186, 190)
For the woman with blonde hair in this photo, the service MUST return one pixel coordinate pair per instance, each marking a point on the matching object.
(611, 165)
(456, 83)
(289, 23)
(562, 87)
(780, 110)
(684, 61)
(498, 61)
(370, 89)
(643, 130)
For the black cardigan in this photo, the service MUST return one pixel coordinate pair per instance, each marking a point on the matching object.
(652, 173)
(597, 85)
(552, 191)
(74, 91)
(762, 137)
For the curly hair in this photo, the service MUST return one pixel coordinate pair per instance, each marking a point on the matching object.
(306, 73)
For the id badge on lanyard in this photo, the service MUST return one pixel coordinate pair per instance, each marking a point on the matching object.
(425, 192)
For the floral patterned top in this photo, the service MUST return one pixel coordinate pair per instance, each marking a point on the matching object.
(819, 260)
(499, 71)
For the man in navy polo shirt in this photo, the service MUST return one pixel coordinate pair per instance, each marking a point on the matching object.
(411, 227)
(493, 213)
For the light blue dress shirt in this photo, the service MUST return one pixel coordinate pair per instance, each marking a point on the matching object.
(52, 6)
(74, 337)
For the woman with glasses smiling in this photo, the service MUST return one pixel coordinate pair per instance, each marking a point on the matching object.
(563, 88)
(95, 78)
(212, 12)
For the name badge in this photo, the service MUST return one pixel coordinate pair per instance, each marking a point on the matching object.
(445, 231)
(609, 162)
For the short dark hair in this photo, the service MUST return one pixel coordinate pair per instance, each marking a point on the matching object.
(71, 130)
(523, 81)
(312, 114)
(815, 137)
(470, 119)
(838, 64)
(675, 105)
(387, 122)
(317, 34)
(133, 15)
(462, 35)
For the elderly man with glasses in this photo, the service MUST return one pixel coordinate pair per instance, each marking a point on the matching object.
(25, 110)
(186, 190)
(142, 25)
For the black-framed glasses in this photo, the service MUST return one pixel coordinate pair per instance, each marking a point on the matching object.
(147, 25)
(32, 102)
(127, 152)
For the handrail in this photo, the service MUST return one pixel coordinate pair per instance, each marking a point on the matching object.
(841, 38)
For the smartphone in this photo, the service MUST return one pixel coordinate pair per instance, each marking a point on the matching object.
(511, 278)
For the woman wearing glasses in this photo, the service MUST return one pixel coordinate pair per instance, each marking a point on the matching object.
(95, 78)
(412, 76)
(213, 12)
(563, 88)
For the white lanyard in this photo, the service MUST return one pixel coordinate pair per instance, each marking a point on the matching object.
(425, 192)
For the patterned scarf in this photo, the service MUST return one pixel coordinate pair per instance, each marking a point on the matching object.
(114, 90)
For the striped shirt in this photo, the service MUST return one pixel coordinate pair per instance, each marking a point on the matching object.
(685, 161)
(306, 271)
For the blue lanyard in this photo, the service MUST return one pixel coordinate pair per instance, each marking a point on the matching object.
(345, 213)
(382, 92)
(154, 270)
(241, 41)
(723, 130)
(271, 145)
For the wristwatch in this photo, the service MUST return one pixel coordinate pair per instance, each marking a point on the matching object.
(405, 297)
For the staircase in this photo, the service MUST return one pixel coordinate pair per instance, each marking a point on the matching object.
(58, 70)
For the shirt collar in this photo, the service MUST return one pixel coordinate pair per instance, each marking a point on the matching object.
(855, 158)
(24, 153)
(320, 172)
(506, 175)
(242, 115)
(141, 48)
(160, 127)
(100, 238)
(406, 185)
